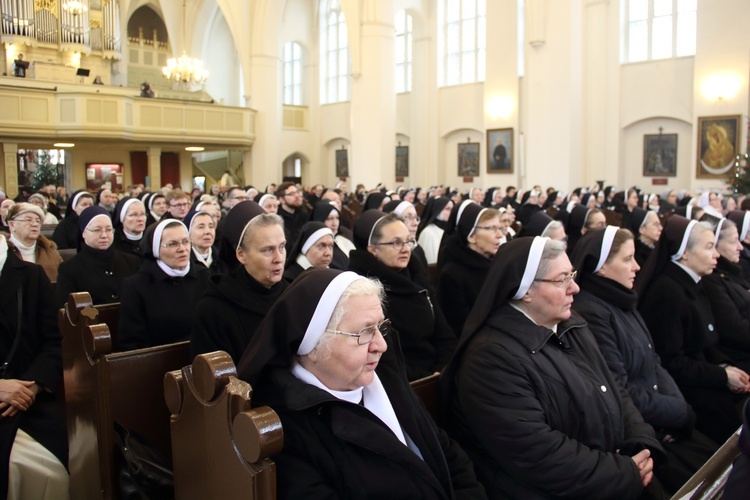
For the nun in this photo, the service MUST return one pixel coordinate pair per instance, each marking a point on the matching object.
(98, 268)
(154, 301)
(227, 315)
(408, 215)
(529, 396)
(269, 203)
(314, 248)
(129, 223)
(674, 304)
(646, 227)
(384, 252)
(468, 255)
(327, 361)
(582, 219)
(328, 214)
(67, 234)
(156, 204)
(432, 226)
(375, 201)
(729, 295)
(202, 233)
(541, 224)
(605, 260)
(742, 219)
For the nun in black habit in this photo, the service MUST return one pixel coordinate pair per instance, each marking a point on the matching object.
(329, 215)
(129, 222)
(742, 219)
(605, 260)
(676, 309)
(203, 250)
(529, 396)
(227, 315)
(325, 360)
(384, 252)
(432, 227)
(98, 268)
(67, 234)
(314, 248)
(157, 300)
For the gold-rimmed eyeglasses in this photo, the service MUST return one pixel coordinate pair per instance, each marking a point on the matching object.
(366, 334)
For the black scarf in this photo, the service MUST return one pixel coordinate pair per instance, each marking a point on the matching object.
(610, 291)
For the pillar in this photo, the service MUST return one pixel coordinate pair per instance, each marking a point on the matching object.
(154, 168)
(10, 169)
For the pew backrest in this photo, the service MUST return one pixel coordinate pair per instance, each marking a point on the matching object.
(102, 387)
(428, 391)
(709, 481)
(220, 445)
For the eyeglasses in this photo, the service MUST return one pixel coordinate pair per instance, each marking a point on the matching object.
(28, 221)
(179, 205)
(293, 193)
(136, 215)
(398, 245)
(564, 282)
(366, 334)
(98, 231)
(240, 198)
(494, 229)
(412, 217)
(173, 245)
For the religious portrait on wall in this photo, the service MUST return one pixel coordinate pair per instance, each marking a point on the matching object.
(468, 159)
(718, 145)
(342, 163)
(500, 151)
(402, 161)
(660, 155)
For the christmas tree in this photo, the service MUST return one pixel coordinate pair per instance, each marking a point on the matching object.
(45, 173)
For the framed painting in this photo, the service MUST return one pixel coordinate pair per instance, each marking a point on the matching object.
(660, 155)
(718, 145)
(500, 151)
(342, 163)
(402, 161)
(468, 159)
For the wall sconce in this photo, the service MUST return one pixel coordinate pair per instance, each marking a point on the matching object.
(721, 87)
(500, 107)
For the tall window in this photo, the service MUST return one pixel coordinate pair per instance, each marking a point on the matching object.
(334, 54)
(461, 41)
(292, 73)
(658, 29)
(403, 52)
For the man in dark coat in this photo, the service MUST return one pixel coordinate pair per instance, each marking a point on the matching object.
(36, 362)
(291, 211)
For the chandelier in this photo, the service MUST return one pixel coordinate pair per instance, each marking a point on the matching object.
(74, 7)
(185, 70)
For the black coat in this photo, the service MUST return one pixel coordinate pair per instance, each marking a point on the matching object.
(745, 261)
(335, 449)
(155, 309)
(123, 244)
(37, 356)
(729, 296)
(101, 273)
(628, 349)
(677, 312)
(226, 317)
(460, 281)
(218, 266)
(292, 225)
(426, 338)
(642, 251)
(67, 234)
(540, 413)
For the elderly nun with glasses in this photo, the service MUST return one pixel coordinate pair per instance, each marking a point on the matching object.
(156, 301)
(326, 360)
(529, 396)
(384, 252)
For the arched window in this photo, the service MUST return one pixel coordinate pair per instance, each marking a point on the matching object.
(658, 29)
(292, 57)
(461, 41)
(334, 54)
(403, 51)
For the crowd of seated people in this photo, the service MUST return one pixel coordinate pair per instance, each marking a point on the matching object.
(333, 301)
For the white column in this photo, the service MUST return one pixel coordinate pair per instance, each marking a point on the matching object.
(264, 166)
(10, 169)
(154, 168)
(186, 170)
(373, 104)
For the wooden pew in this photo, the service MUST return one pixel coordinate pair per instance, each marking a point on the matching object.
(102, 387)
(708, 483)
(428, 390)
(220, 446)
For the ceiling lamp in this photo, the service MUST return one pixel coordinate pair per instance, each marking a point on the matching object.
(74, 7)
(185, 70)
(195, 148)
(64, 145)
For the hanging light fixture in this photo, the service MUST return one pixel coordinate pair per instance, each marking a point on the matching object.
(74, 7)
(185, 70)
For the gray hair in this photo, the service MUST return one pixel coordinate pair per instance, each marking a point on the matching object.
(358, 288)
(551, 228)
(377, 230)
(552, 250)
(262, 220)
(696, 233)
(725, 227)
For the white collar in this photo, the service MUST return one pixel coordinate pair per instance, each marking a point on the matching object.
(515, 306)
(690, 272)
